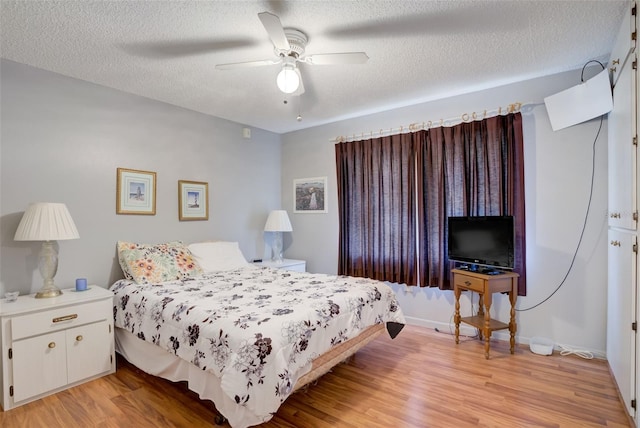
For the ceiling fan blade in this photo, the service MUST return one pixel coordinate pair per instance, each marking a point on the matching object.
(337, 58)
(247, 64)
(184, 48)
(275, 30)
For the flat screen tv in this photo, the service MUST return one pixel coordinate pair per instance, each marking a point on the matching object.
(481, 241)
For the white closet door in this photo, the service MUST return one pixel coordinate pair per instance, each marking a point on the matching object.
(622, 130)
(621, 312)
(623, 153)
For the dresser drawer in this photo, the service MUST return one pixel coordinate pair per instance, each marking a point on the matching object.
(60, 318)
(469, 283)
(297, 267)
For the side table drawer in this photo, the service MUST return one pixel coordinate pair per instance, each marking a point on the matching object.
(58, 319)
(286, 264)
(469, 283)
(298, 267)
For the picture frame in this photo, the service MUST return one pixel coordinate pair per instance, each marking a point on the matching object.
(309, 195)
(193, 200)
(135, 192)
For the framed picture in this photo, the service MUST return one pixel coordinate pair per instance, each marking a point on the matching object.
(193, 200)
(309, 195)
(136, 192)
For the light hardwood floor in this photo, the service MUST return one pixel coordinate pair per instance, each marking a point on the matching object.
(420, 379)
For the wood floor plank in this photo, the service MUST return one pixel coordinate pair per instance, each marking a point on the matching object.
(420, 379)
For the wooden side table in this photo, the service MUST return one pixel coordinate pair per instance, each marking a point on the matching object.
(485, 286)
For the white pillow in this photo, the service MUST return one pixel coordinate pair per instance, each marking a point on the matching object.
(218, 255)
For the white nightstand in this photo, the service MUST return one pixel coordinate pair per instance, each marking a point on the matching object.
(51, 344)
(287, 264)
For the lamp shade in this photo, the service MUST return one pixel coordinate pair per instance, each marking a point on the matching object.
(46, 221)
(278, 221)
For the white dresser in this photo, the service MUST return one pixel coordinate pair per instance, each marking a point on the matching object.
(51, 344)
(287, 264)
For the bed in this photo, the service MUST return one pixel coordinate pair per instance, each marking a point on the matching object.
(241, 335)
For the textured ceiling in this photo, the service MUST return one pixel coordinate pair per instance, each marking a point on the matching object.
(419, 50)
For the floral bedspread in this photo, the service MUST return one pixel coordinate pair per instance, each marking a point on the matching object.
(254, 327)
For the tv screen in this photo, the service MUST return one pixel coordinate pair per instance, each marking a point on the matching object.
(485, 241)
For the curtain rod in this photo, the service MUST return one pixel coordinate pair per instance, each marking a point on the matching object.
(414, 127)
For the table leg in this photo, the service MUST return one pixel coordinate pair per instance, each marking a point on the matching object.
(513, 295)
(487, 323)
(480, 313)
(456, 316)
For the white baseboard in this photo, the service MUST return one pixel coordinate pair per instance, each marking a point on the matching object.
(444, 327)
(467, 330)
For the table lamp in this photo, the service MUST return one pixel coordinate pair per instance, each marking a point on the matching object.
(277, 222)
(47, 222)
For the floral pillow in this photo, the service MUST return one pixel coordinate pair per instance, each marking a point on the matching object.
(155, 263)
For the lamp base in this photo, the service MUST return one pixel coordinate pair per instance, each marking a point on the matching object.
(46, 292)
(48, 266)
(276, 255)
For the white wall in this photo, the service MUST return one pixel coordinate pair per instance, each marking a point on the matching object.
(62, 140)
(557, 179)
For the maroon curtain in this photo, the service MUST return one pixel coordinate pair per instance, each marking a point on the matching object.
(472, 169)
(391, 189)
(376, 205)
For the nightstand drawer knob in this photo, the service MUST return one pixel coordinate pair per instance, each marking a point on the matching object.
(65, 318)
(79, 338)
(52, 345)
(467, 283)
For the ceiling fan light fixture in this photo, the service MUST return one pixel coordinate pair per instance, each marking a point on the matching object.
(288, 80)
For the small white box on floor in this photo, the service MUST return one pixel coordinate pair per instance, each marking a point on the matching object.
(541, 345)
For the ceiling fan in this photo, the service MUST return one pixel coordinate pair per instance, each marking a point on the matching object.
(289, 47)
